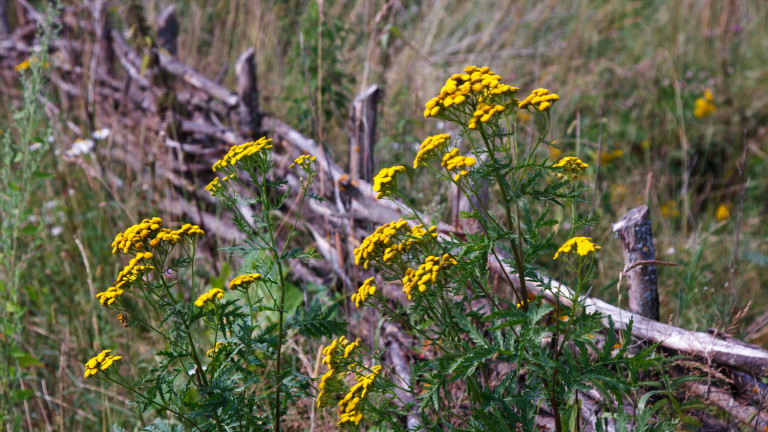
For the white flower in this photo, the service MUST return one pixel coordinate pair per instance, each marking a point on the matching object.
(81, 146)
(56, 231)
(36, 146)
(101, 134)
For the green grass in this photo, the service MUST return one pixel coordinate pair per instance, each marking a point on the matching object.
(628, 74)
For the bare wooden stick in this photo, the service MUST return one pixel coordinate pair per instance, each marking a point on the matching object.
(634, 231)
(248, 92)
(197, 80)
(362, 133)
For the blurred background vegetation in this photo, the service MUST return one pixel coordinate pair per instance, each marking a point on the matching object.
(628, 73)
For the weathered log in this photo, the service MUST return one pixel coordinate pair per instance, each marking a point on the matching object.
(634, 231)
(362, 133)
(168, 30)
(197, 80)
(248, 94)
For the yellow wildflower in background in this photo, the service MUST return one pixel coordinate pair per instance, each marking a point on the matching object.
(607, 157)
(705, 105)
(540, 98)
(723, 212)
(385, 181)
(241, 152)
(212, 295)
(571, 166)
(669, 210)
(245, 280)
(428, 146)
(213, 186)
(391, 240)
(102, 361)
(366, 290)
(583, 246)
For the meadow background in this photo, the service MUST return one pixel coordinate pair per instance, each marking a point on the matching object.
(628, 74)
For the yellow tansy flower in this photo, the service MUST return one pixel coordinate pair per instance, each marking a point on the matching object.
(571, 166)
(212, 295)
(429, 146)
(244, 281)
(723, 212)
(705, 105)
(583, 246)
(385, 181)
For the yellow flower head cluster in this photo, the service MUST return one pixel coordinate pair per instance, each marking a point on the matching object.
(333, 356)
(106, 298)
(348, 407)
(366, 289)
(453, 162)
(723, 212)
(583, 246)
(242, 151)
(212, 295)
(244, 281)
(483, 113)
(133, 237)
(212, 352)
(101, 361)
(540, 99)
(385, 181)
(133, 270)
(213, 186)
(173, 236)
(390, 240)
(427, 147)
(426, 274)
(304, 161)
(571, 166)
(705, 105)
(474, 85)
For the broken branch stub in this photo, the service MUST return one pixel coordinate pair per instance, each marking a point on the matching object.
(634, 231)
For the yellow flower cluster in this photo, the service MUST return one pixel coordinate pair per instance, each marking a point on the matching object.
(483, 113)
(453, 162)
(705, 105)
(430, 144)
(348, 406)
(583, 245)
(385, 181)
(242, 151)
(213, 186)
(723, 212)
(102, 361)
(571, 166)
(540, 99)
(385, 243)
(426, 274)
(303, 161)
(333, 356)
(244, 281)
(366, 289)
(134, 236)
(475, 84)
(129, 274)
(212, 352)
(212, 295)
(106, 298)
(173, 236)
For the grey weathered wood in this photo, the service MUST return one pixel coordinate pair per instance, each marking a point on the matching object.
(5, 28)
(634, 231)
(248, 92)
(168, 30)
(362, 133)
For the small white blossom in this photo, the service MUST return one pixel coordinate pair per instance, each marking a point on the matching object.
(36, 146)
(56, 231)
(81, 146)
(100, 134)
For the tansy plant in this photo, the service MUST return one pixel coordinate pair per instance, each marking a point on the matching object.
(502, 356)
(222, 366)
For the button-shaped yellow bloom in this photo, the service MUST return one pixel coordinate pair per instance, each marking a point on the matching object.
(583, 246)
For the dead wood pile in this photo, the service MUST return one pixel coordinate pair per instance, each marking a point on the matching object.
(181, 122)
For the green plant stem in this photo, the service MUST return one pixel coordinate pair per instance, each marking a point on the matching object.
(278, 261)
